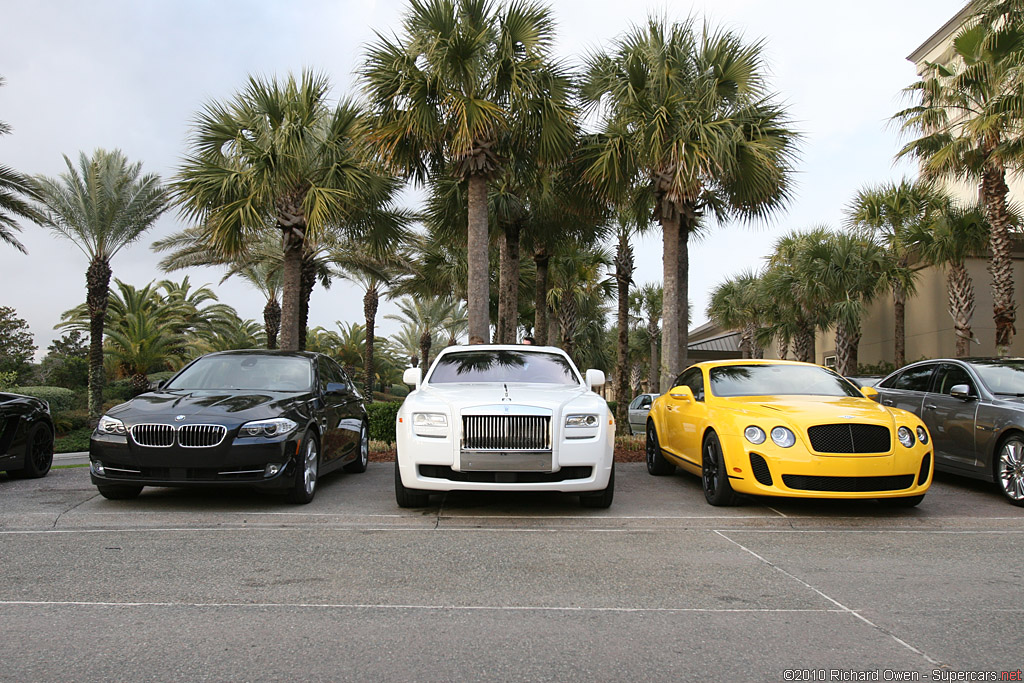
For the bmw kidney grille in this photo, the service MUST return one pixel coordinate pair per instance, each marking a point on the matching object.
(187, 436)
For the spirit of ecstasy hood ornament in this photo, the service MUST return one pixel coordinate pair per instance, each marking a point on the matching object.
(506, 397)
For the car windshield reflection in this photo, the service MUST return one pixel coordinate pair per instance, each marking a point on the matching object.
(251, 373)
(778, 380)
(503, 366)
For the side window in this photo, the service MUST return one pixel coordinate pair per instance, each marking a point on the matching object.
(914, 379)
(635, 403)
(325, 372)
(694, 379)
(951, 375)
(678, 382)
(645, 402)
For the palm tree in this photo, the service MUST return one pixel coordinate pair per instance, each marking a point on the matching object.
(688, 117)
(15, 188)
(968, 117)
(740, 302)
(952, 234)
(646, 306)
(791, 280)
(466, 85)
(889, 212)
(278, 158)
(578, 292)
(427, 315)
(101, 206)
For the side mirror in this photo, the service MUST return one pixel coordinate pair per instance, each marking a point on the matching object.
(336, 388)
(412, 376)
(961, 391)
(160, 385)
(681, 393)
(869, 392)
(595, 378)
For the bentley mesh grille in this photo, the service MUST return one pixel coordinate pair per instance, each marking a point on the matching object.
(201, 436)
(506, 432)
(802, 482)
(850, 438)
(153, 435)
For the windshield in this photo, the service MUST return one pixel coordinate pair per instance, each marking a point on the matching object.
(1003, 378)
(237, 371)
(503, 366)
(775, 380)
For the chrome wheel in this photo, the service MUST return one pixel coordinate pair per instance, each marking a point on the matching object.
(1010, 470)
(364, 446)
(310, 467)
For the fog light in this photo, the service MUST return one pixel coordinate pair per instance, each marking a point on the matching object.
(271, 470)
(97, 468)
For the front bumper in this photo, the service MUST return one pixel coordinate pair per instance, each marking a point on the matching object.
(797, 473)
(239, 462)
(437, 464)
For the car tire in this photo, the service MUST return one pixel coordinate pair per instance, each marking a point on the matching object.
(714, 476)
(656, 462)
(406, 497)
(307, 473)
(38, 453)
(118, 492)
(1008, 469)
(603, 498)
(359, 464)
(905, 502)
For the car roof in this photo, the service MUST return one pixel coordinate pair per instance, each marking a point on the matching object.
(266, 352)
(751, 361)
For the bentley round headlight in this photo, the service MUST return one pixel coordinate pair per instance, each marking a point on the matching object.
(905, 436)
(783, 437)
(754, 434)
(922, 434)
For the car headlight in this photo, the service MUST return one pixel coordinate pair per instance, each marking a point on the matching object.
(922, 434)
(755, 435)
(905, 436)
(783, 437)
(430, 424)
(581, 420)
(277, 426)
(111, 425)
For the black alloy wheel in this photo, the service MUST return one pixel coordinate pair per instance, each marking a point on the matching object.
(714, 477)
(656, 462)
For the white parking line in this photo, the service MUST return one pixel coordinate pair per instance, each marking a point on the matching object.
(835, 602)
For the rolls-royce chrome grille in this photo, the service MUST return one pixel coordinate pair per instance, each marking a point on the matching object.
(187, 436)
(506, 432)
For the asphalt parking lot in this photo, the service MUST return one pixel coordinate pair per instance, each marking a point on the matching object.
(232, 585)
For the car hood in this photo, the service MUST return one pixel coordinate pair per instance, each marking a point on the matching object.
(464, 397)
(804, 411)
(220, 406)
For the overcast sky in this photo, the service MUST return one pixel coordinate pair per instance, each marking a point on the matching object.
(132, 74)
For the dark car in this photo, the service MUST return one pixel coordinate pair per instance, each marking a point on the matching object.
(26, 436)
(274, 420)
(974, 410)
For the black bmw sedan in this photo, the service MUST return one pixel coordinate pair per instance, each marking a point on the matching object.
(26, 436)
(275, 420)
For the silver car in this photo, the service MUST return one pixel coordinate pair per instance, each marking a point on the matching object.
(974, 410)
(638, 409)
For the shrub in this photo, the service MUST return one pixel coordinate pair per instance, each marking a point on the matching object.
(612, 405)
(59, 398)
(69, 420)
(8, 380)
(382, 420)
(119, 390)
(74, 442)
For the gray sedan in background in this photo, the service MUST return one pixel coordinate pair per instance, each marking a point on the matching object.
(638, 409)
(974, 410)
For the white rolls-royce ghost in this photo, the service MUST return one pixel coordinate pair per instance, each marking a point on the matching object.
(504, 418)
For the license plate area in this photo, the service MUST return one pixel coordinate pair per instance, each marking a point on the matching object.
(506, 461)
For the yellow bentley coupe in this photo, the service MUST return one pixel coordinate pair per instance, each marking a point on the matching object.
(782, 428)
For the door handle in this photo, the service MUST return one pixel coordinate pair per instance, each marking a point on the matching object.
(931, 406)
(887, 402)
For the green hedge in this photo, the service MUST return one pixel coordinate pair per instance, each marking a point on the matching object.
(382, 420)
(59, 398)
(74, 442)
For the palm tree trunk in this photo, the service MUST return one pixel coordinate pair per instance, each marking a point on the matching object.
(847, 341)
(291, 292)
(508, 285)
(653, 385)
(671, 307)
(97, 280)
(960, 289)
(478, 287)
(425, 343)
(783, 349)
(1000, 266)
(567, 321)
(899, 308)
(623, 276)
(370, 302)
(684, 296)
(803, 344)
(308, 282)
(272, 322)
(540, 300)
